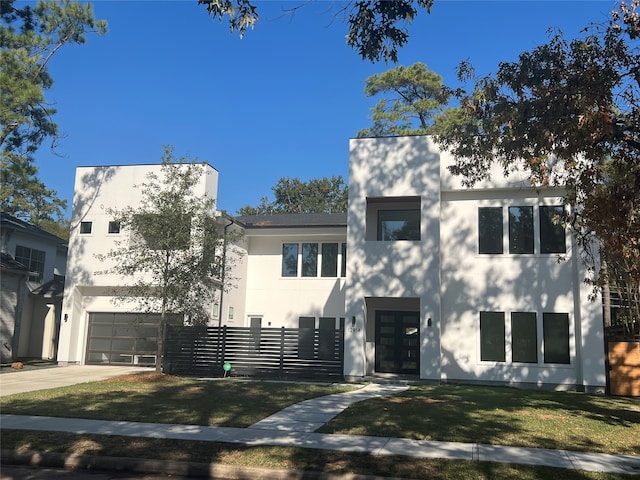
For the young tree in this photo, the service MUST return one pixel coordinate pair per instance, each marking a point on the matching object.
(377, 28)
(177, 255)
(416, 98)
(29, 38)
(568, 113)
(292, 195)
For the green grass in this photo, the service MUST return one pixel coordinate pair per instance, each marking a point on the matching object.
(166, 399)
(499, 416)
(286, 458)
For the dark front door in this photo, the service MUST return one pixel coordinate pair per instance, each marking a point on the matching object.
(398, 342)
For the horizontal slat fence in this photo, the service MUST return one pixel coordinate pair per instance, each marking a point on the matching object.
(257, 352)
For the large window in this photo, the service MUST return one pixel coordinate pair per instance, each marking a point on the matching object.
(521, 232)
(316, 259)
(492, 337)
(552, 234)
(490, 230)
(399, 225)
(520, 229)
(556, 337)
(309, 259)
(524, 344)
(32, 259)
(290, 260)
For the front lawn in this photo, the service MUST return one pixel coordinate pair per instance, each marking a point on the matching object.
(166, 399)
(499, 416)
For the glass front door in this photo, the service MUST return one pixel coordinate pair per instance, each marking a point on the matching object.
(398, 342)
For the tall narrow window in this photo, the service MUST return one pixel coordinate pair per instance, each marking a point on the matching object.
(309, 259)
(343, 267)
(552, 234)
(492, 337)
(289, 259)
(490, 230)
(520, 229)
(329, 260)
(524, 337)
(556, 337)
(399, 224)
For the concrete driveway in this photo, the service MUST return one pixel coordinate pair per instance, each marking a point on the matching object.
(19, 381)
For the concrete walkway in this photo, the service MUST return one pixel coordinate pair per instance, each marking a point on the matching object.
(295, 426)
(41, 378)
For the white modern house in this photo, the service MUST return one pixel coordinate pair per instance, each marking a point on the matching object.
(32, 272)
(434, 281)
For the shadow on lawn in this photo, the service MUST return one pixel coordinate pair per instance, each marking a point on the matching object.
(190, 402)
(499, 415)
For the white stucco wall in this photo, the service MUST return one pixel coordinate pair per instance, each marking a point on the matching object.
(278, 300)
(87, 287)
(393, 167)
(451, 281)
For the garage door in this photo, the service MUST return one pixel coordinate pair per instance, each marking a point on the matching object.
(122, 339)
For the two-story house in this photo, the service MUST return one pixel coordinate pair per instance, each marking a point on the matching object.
(33, 267)
(434, 280)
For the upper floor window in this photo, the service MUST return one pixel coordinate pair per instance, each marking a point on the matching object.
(32, 259)
(490, 230)
(114, 227)
(399, 225)
(552, 234)
(86, 227)
(522, 236)
(521, 229)
(309, 259)
(393, 218)
(290, 260)
(327, 256)
(329, 260)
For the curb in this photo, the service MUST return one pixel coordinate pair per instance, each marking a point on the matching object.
(168, 467)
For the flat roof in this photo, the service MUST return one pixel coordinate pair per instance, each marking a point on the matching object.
(284, 220)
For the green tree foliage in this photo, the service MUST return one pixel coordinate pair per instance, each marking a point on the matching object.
(377, 28)
(29, 38)
(178, 253)
(416, 98)
(568, 113)
(292, 195)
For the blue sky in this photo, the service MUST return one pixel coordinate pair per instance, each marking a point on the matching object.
(281, 102)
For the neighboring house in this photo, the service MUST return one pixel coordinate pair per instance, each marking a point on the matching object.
(33, 267)
(435, 280)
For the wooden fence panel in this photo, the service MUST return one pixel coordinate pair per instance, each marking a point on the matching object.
(266, 352)
(624, 368)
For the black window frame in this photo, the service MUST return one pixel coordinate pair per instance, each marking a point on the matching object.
(410, 232)
(86, 227)
(290, 260)
(492, 336)
(490, 230)
(552, 234)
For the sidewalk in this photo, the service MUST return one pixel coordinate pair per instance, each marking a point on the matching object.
(296, 425)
